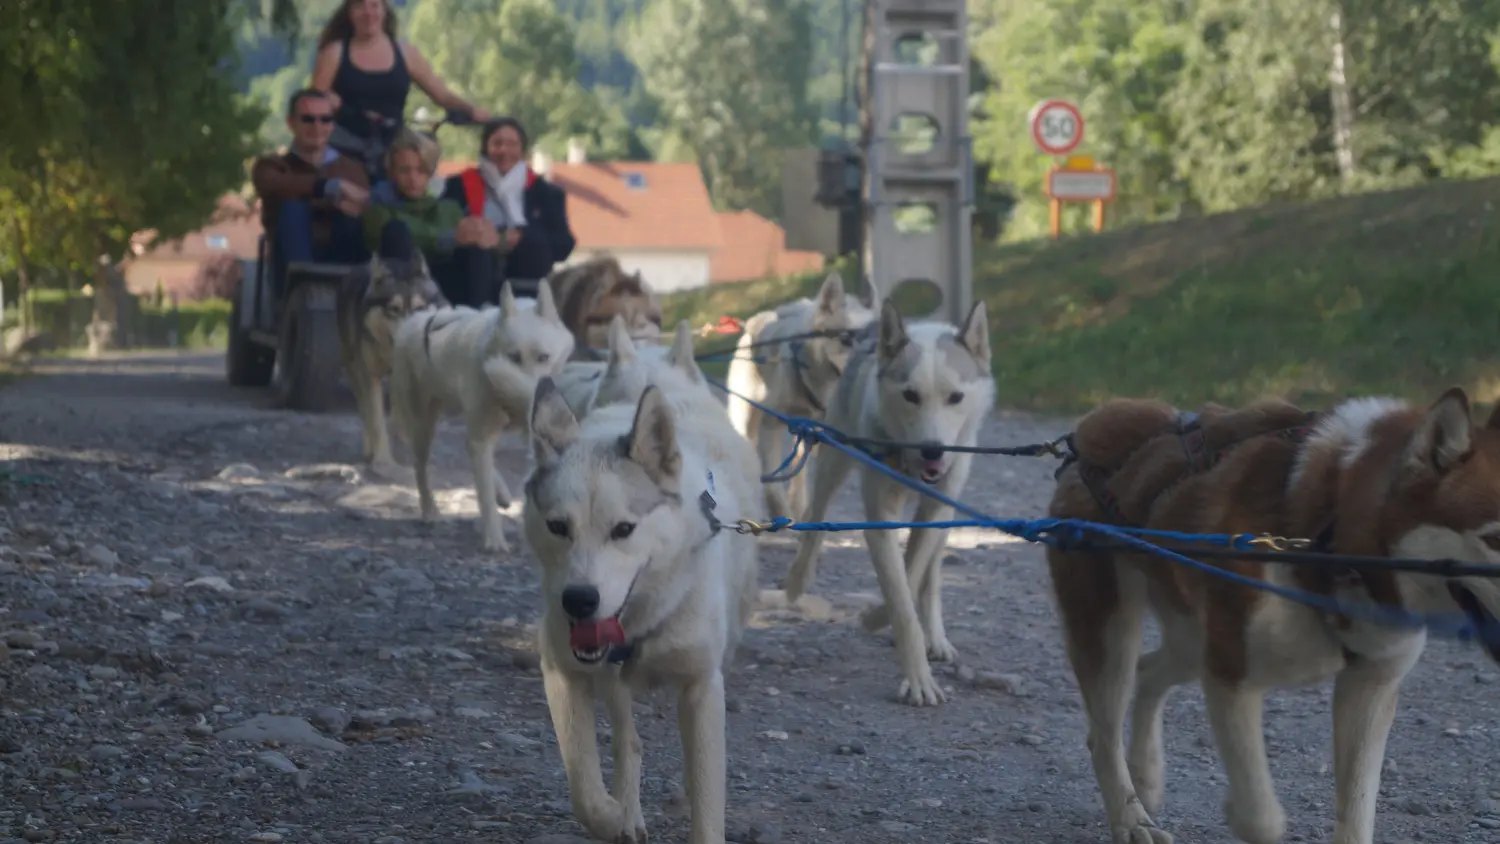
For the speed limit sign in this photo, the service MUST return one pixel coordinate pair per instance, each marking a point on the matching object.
(1056, 126)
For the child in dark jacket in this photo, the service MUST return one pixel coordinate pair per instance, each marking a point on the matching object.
(461, 254)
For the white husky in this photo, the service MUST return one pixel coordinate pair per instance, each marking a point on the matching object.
(925, 384)
(580, 382)
(485, 364)
(642, 584)
(795, 377)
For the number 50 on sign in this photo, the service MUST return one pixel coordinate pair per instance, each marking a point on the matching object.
(1056, 126)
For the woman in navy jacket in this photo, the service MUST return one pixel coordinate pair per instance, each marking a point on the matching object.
(529, 213)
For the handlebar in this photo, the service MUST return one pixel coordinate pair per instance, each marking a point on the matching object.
(451, 117)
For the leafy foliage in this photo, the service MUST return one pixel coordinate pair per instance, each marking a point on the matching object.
(1222, 104)
(125, 119)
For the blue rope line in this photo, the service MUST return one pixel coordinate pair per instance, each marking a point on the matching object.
(783, 472)
(1453, 626)
(1048, 531)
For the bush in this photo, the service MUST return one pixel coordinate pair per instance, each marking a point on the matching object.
(196, 324)
(216, 278)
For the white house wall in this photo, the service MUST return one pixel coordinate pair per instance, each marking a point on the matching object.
(665, 271)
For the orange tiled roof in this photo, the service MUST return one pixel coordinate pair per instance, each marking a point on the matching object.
(755, 247)
(632, 204)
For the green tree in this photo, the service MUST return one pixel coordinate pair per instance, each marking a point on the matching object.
(1289, 100)
(730, 79)
(1116, 59)
(127, 120)
(517, 57)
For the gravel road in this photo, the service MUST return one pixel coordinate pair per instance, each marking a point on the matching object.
(216, 630)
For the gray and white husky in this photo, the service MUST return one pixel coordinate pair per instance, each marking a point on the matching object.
(371, 301)
(929, 384)
(794, 377)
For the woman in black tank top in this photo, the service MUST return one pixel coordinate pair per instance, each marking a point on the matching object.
(366, 30)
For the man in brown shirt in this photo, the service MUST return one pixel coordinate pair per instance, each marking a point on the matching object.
(312, 197)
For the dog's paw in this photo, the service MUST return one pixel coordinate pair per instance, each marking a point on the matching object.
(607, 820)
(941, 650)
(492, 534)
(633, 831)
(921, 690)
(1146, 774)
(1256, 824)
(795, 586)
(1134, 826)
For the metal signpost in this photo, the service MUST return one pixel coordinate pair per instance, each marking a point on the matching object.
(920, 75)
(1057, 130)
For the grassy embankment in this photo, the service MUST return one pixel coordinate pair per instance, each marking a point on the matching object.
(1395, 292)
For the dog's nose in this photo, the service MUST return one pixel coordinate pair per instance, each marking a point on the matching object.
(580, 602)
(932, 452)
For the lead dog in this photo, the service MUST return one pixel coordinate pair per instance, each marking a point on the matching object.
(776, 365)
(641, 584)
(925, 383)
(371, 302)
(1373, 477)
(484, 364)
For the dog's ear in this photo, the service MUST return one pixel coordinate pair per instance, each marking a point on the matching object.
(975, 334)
(507, 302)
(893, 337)
(681, 355)
(433, 294)
(652, 441)
(621, 346)
(545, 305)
(553, 427)
(868, 293)
(1445, 437)
(831, 295)
(420, 265)
(380, 279)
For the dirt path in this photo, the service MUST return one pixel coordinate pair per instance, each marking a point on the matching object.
(175, 561)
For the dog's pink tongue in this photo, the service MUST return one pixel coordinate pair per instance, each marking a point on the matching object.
(932, 465)
(593, 635)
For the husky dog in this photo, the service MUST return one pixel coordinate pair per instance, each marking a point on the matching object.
(641, 584)
(486, 364)
(580, 381)
(927, 382)
(592, 293)
(797, 376)
(1373, 477)
(371, 302)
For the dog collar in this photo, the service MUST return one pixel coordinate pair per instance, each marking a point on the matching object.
(706, 505)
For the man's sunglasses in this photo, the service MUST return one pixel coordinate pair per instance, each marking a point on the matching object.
(310, 119)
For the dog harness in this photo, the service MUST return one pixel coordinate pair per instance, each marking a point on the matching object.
(799, 375)
(1190, 433)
